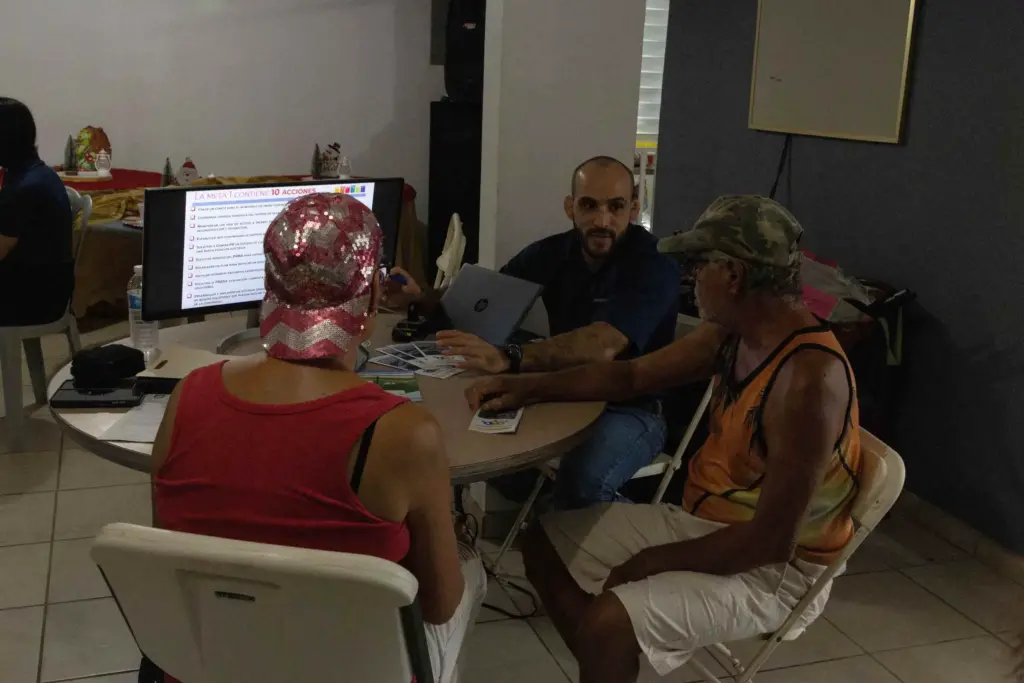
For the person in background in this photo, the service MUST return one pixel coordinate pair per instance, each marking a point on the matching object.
(294, 448)
(609, 294)
(768, 499)
(37, 271)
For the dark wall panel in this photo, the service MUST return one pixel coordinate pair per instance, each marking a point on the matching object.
(942, 213)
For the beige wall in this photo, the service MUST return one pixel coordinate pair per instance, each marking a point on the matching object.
(561, 84)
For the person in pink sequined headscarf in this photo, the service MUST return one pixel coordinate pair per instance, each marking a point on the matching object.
(322, 253)
(292, 447)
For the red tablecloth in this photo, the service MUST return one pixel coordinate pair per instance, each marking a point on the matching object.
(120, 179)
(129, 179)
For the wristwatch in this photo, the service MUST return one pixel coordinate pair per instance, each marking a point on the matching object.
(515, 357)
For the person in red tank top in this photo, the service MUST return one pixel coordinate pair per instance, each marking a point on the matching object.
(292, 447)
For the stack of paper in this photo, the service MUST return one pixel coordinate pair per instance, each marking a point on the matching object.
(140, 424)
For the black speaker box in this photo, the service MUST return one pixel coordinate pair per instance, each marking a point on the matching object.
(455, 136)
(464, 51)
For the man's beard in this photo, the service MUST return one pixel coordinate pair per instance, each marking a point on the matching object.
(600, 233)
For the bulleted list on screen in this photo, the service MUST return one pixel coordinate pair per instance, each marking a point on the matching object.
(223, 249)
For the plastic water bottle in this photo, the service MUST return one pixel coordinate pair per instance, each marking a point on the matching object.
(145, 335)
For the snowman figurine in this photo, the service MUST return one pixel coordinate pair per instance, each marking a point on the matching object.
(187, 174)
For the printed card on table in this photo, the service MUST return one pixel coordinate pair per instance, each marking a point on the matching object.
(439, 373)
(498, 422)
(394, 362)
(403, 384)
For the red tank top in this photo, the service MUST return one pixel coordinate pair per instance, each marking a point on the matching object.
(272, 473)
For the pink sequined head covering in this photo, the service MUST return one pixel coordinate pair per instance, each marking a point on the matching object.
(322, 252)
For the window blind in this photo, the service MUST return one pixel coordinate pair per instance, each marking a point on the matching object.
(652, 70)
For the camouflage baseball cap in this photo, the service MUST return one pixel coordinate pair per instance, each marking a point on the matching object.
(748, 228)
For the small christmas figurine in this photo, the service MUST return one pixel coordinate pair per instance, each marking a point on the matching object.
(167, 177)
(70, 161)
(103, 162)
(187, 173)
(316, 167)
(331, 161)
(90, 141)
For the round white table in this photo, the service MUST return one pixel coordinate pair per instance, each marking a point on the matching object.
(547, 430)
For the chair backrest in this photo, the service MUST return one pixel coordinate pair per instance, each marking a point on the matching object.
(450, 260)
(881, 482)
(210, 610)
(81, 212)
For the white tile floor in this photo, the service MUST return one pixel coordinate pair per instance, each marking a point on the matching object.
(912, 608)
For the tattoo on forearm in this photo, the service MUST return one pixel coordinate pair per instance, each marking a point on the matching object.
(593, 343)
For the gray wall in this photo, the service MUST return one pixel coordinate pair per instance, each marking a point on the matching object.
(941, 214)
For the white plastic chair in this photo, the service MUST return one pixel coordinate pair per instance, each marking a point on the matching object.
(664, 464)
(210, 610)
(11, 338)
(450, 260)
(880, 486)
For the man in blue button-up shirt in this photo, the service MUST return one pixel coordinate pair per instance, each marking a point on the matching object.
(609, 294)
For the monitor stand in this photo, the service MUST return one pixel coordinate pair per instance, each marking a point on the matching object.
(244, 342)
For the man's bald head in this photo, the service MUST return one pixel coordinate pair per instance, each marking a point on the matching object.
(599, 162)
(602, 204)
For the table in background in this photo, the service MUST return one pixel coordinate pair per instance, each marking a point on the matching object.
(547, 430)
(112, 249)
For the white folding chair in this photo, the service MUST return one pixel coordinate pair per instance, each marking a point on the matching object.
(12, 338)
(450, 260)
(880, 486)
(209, 610)
(664, 464)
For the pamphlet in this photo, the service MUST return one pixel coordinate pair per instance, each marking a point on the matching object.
(496, 422)
(403, 384)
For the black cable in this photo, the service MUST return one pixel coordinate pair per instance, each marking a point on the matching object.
(525, 591)
(468, 528)
(787, 146)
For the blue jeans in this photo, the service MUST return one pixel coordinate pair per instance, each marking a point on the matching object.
(625, 438)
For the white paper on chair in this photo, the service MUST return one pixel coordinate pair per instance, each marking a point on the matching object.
(140, 424)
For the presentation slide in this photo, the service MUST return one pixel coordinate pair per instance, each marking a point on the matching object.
(223, 239)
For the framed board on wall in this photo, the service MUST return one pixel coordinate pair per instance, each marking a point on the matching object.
(831, 68)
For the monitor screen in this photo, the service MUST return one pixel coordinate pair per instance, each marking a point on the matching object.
(203, 246)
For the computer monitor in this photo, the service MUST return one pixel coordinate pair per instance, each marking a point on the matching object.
(203, 246)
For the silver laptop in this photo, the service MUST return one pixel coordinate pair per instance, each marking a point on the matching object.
(488, 304)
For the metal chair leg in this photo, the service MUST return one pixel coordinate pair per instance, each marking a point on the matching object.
(520, 519)
(36, 367)
(730, 657)
(10, 367)
(704, 671)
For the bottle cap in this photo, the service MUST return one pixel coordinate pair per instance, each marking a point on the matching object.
(137, 270)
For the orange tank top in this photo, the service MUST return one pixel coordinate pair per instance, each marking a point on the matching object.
(724, 481)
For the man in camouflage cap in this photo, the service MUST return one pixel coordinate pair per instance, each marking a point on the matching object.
(767, 500)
